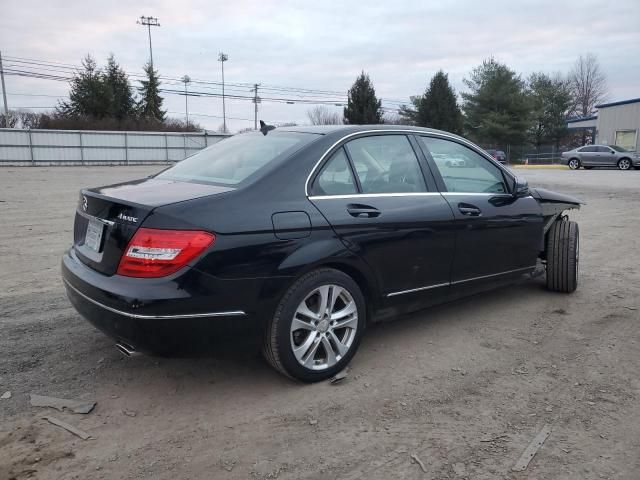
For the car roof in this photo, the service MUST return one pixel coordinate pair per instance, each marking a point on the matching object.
(347, 129)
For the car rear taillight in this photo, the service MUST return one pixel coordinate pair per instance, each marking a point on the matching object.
(157, 253)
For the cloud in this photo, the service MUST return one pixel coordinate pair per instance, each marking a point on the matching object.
(324, 45)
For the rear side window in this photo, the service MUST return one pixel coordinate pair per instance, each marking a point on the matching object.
(235, 159)
(336, 177)
(464, 170)
(386, 164)
(587, 149)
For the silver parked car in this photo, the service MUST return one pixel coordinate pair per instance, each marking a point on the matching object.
(591, 156)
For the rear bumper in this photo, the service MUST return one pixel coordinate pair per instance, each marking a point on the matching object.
(153, 315)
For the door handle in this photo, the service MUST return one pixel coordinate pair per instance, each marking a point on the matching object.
(362, 211)
(469, 210)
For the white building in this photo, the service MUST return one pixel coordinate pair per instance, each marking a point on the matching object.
(616, 123)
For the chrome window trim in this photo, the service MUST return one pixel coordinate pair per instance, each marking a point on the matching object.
(407, 194)
(376, 195)
(484, 194)
(233, 313)
(438, 285)
(398, 130)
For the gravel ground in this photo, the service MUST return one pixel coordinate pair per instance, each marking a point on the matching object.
(464, 387)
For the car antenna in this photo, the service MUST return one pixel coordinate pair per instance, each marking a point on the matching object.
(264, 128)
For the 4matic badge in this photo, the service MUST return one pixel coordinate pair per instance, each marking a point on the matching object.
(127, 218)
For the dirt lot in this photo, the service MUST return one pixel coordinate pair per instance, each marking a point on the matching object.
(464, 387)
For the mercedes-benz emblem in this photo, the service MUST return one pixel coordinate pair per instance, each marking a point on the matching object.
(85, 203)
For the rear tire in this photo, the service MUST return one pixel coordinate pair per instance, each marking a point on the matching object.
(563, 257)
(574, 164)
(310, 362)
(624, 164)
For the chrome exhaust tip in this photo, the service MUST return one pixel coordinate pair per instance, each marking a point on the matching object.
(126, 350)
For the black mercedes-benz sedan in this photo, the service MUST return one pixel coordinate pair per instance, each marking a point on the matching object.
(307, 235)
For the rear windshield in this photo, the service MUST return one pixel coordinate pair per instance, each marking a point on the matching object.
(237, 158)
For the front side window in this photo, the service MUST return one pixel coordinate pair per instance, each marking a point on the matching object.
(336, 177)
(464, 170)
(386, 164)
(604, 150)
(235, 159)
(618, 148)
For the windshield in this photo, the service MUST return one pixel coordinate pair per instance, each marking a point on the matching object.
(235, 159)
(618, 149)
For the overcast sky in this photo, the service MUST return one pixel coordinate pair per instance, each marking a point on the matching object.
(318, 45)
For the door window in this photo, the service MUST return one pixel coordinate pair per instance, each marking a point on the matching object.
(336, 177)
(386, 164)
(604, 150)
(588, 149)
(464, 170)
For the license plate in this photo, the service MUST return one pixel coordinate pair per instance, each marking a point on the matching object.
(93, 238)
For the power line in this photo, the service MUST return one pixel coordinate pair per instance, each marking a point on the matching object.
(266, 87)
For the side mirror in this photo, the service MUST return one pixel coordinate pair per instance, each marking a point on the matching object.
(521, 187)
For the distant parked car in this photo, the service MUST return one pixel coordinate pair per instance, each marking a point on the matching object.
(591, 156)
(499, 155)
(448, 160)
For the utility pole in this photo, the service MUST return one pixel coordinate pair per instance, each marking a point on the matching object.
(186, 80)
(223, 57)
(149, 22)
(256, 100)
(4, 94)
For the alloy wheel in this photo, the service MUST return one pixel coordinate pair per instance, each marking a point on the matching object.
(324, 327)
(624, 164)
(574, 164)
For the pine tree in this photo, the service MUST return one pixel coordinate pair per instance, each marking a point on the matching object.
(551, 101)
(88, 95)
(150, 104)
(437, 108)
(496, 109)
(363, 107)
(122, 104)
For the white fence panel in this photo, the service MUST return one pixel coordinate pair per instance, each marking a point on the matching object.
(69, 147)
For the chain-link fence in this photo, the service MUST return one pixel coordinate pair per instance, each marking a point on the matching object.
(527, 154)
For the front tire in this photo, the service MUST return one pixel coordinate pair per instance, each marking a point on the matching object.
(563, 256)
(317, 326)
(624, 164)
(574, 164)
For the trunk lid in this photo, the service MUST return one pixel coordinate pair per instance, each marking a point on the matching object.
(107, 217)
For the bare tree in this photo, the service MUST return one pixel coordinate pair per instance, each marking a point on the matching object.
(588, 84)
(393, 118)
(323, 116)
(9, 121)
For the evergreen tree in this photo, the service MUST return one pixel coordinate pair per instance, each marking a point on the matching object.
(88, 95)
(122, 104)
(551, 100)
(496, 108)
(437, 108)
(150, 104)
(363, 107)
